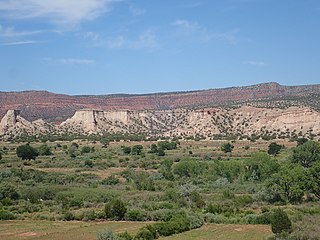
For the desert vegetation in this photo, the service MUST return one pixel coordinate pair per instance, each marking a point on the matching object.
(169, 186)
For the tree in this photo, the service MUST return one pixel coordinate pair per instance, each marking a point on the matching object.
(227, 147)
(26, 152)
(115, 209)
(314, 179)
(290, 183)
(306, 154)
(274, 148)
(85, 149)
(301, 141)
(260, 166)
(105, 142)
(136, 150)
(280, 222)
(0, 156)
(126, 150)
(44, 150)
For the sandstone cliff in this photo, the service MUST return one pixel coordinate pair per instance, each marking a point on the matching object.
(209, 122)
(58, 107)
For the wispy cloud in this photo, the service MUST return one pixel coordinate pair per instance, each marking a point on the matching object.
(18, 43)
(145, 40)
(201, 33)
(9, 32)
(255, 63)
(70, 12)
(69, 61)
(135, 11)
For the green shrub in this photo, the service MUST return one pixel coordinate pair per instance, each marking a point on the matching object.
(144, 234)
(105, 235)
(26, 152)
(89, 215)
(280, 222)
(135, 215)
(44, 150)
(68, 216)
(85, 149)
(6, 215)
(111, 180)
(115, 209)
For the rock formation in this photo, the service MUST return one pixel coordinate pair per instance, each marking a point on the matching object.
(210, 122)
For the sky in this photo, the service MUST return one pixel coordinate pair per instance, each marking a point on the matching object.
(143, 46)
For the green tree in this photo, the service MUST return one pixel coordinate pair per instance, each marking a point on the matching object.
(73, 151)
(280, 222)
(126, 150)
(301, 141)
(290, 183)
(26, 152)
(136, 150)
(115, 209)
(227, 147)
(306, 154)
(105, 142)
(85, 149)
(166, 169)
(8, 191)
(274, 148)
(44, 150)
(314, 179)
(260, 166)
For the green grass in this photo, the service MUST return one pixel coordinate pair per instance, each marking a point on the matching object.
(224, 232)
(45, 230)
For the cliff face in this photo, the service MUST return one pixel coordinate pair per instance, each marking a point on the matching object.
(209, 122)
(13, 125)
(58, 107)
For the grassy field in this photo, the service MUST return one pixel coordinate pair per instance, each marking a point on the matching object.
(45, 230)
(69, 193)
(224, 232)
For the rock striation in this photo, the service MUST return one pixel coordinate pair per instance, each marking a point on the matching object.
(209, 122)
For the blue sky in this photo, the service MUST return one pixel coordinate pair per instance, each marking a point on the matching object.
(142, 46)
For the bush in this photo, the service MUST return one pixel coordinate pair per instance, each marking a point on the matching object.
(135, 215)
(280, 222)
(111, 180)
(85, 149)
(5, 215)
(44, 150)
(115, 209)
(227, 147)
(26, 152)
(144, 234)
(105, 235)
(8, 191)
(68, 216)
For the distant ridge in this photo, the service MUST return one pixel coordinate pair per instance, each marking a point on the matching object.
(58, 107)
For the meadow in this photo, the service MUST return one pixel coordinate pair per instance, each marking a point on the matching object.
(205, 189)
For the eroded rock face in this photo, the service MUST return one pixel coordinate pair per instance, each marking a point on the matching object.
(9, 120)
(13, 125)
(244, 121)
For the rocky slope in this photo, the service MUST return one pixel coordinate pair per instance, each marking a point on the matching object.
(58, 107)
(208, 122)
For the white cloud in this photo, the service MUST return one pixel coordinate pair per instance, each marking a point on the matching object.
(18, 43)
(69, 61)
(199, 33)
(146, 40)
(11, 32)
(62, 12)
(255, 63)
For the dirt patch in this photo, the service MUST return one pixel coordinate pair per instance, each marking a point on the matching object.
(28, 234)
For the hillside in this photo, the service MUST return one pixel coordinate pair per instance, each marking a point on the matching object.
(54, 107)
(241, 122)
